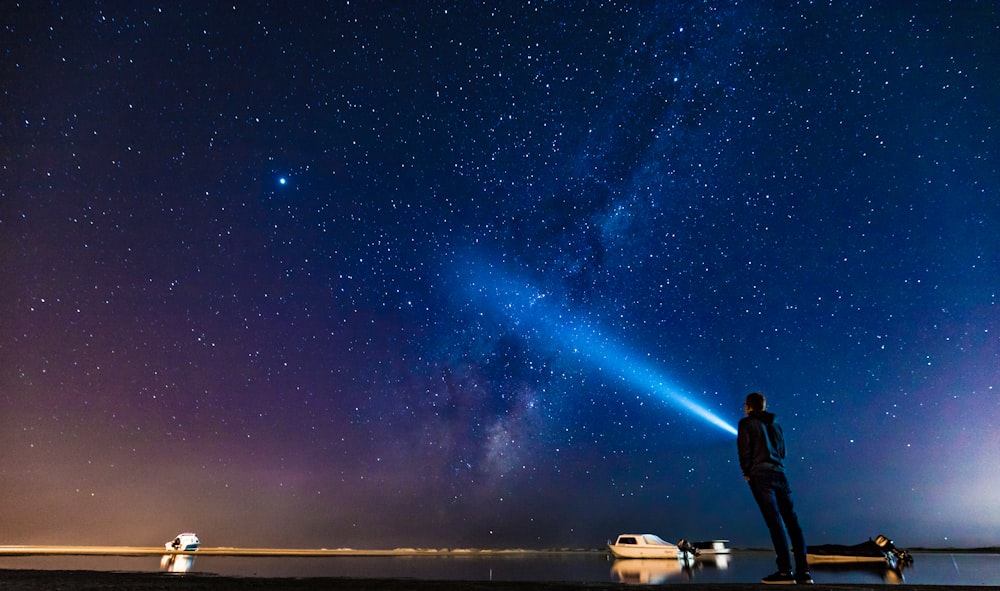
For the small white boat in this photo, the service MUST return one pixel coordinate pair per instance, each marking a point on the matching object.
(649, 546)
(710, 547)
(185, 542)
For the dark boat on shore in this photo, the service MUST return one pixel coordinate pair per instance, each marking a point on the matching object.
(879, 550)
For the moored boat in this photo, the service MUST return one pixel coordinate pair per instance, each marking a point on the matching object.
(709, 547)
(185, 542)
(881, 549)
(650, 546)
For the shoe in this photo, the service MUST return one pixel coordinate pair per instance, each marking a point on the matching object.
(779, 578)
(804, 578)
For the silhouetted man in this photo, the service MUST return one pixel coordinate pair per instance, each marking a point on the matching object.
(761, 448)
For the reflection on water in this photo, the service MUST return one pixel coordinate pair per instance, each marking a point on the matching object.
(651, 571)
(870, 570)
(177, 563)
(929, 568)
(656, 571)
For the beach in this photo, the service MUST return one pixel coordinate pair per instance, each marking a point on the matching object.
(25, 580)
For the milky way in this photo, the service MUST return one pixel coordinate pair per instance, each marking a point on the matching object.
(433, 274)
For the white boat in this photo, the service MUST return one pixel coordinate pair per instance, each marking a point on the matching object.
(710, 547)
(185, 542)
(649, 546)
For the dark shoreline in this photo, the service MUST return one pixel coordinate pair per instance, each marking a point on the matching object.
(24, 580)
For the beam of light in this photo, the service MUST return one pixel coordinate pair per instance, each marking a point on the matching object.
(531, 314)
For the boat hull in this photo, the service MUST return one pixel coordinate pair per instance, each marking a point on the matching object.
(646, 552)
(879, 550)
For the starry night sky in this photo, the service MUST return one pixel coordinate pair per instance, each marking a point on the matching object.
(450, 275)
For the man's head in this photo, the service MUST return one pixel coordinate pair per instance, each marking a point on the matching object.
(755, 402)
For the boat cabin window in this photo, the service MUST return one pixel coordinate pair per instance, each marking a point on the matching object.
(627, 540)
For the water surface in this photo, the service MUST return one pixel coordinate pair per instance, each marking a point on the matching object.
(929, 568)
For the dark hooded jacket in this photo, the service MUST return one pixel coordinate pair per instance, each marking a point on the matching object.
(761, 444)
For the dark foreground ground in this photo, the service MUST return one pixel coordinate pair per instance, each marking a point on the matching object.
(18, 580)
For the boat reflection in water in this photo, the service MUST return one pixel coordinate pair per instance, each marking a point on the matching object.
(656, 571)
(875, 571)
(659, 571)
(176, 563)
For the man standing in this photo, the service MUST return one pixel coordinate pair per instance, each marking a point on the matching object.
(762, 458)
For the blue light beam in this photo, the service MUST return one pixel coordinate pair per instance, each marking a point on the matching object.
(529, 312)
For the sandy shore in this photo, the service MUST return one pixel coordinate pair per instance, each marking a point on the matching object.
(19, 580)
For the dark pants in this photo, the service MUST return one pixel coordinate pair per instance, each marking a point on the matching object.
(774, 497)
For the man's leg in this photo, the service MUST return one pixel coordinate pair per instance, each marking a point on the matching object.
(783, 498)
(766, 499)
